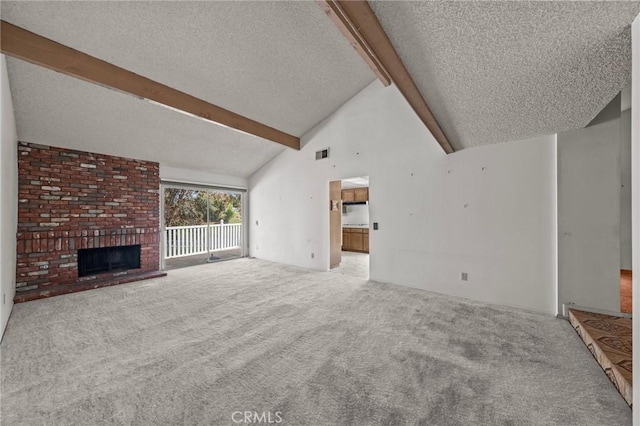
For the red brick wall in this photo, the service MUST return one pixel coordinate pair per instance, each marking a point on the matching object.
(68, 200)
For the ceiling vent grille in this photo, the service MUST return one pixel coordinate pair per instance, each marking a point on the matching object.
(323, 153)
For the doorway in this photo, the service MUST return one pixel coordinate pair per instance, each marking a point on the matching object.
(201, 225)
(349, 227)
(626, 183)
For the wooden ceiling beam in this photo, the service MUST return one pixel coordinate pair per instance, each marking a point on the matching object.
(335, 12)
(373, 40)
(22, 44)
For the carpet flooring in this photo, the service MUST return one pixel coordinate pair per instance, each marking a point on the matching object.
(308, 347)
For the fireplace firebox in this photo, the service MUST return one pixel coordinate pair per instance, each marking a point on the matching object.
(108, 259)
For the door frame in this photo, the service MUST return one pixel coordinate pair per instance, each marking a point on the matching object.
(335, 223)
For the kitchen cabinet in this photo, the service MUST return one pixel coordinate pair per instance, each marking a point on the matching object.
(355, 239)
(355, 194)
(357, 243)
(346, 239)
(361, 194)
(348, 195)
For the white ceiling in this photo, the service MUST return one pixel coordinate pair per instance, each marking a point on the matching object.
(55, 109)
(357, 182)
(491, 71)
(281, 63)
(501, 71)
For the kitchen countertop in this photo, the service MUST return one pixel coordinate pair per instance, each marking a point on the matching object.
(356, 225)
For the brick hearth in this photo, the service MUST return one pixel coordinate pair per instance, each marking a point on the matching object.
(70, 200)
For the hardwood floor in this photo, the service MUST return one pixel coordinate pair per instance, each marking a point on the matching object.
(625, 291)
(608, 339)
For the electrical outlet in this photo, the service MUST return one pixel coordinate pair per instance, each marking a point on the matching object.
(464, 276)
(313, 255)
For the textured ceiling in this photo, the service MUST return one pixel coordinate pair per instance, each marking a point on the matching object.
(491, 71)
(501, 71)
(55, 109)
(282, 64)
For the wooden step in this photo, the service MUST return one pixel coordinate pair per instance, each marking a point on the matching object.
(609, 341)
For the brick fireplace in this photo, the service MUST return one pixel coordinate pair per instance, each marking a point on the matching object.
(71, 201)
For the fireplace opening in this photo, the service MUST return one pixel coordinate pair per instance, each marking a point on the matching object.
(108, 259)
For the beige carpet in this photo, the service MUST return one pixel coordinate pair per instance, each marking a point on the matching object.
(318, 348)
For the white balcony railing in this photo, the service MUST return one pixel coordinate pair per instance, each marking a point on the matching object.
(189, 240)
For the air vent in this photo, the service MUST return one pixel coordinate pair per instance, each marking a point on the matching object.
(323, 153)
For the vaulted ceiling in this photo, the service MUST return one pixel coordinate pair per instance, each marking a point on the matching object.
(281, 63)
(489, 71)
(496, 71)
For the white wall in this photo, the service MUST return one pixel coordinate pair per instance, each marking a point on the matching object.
(635, 202)
(8, 198)
(439, 215)
(356, 214)
(625, 190)
(197, 176)
(589, 213)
